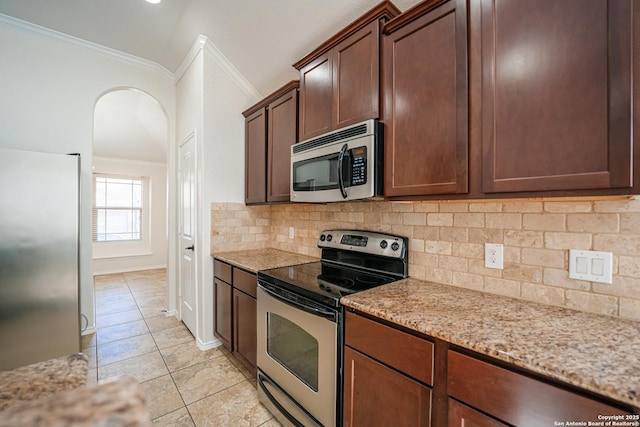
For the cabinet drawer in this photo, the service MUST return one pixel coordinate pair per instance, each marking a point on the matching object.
(463, 416)
(404, 352)
(517, 399)
(376, 395)
(222, 271)
(246, 282)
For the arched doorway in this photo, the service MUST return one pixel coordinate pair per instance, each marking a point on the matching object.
(130, 142)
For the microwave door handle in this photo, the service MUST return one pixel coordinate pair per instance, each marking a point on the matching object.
(344, 149)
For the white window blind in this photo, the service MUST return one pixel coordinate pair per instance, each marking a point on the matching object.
(117, 207)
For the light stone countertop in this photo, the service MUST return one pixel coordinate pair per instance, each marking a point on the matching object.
(262, 259)
(596, 353)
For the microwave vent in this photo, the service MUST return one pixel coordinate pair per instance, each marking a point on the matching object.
(332, 137)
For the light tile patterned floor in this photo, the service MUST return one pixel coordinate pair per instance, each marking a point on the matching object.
(184, 385)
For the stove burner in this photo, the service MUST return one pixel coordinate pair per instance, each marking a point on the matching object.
(371, 280)
(328, 279)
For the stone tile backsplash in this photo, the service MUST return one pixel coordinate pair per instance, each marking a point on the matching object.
(446, 241)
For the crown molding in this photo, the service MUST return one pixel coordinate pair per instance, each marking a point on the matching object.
(203, 43)
(28, 27)
(231, 70)
(197, 46)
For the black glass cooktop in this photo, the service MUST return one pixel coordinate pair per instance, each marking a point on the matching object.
(323, 282)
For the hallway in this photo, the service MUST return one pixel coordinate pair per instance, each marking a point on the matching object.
(184, 386)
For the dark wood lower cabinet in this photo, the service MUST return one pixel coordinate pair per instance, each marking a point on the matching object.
(244, 329)
(375, 395)
(384, 385)
(518, 399)
(223, 320)
(463, 416)
(235, 316)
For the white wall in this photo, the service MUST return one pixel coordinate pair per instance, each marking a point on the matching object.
(210, 98)
(189, 119)
(151, 252)
(49, 85)
(226, 94)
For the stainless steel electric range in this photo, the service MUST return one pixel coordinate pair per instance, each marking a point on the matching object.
(300, 322)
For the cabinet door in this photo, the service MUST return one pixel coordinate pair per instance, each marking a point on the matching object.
(316, 97)
(222, 297)
(282, 134)
(556, 90)
(462, 416)
(356, 77)
(375, 395)
(426, 104)
(256, 157)
(244, 329)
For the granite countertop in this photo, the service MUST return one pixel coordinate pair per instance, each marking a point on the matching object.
(254, 260)
(114, 402)
(42, 379)
(596, 353)
(54, 393)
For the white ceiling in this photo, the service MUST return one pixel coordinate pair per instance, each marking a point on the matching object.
(262, 38)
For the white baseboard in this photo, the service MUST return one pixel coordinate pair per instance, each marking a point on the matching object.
(208, 345)
(97, 272)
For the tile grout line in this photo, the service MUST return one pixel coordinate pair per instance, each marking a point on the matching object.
(133, 290)
(184, 404)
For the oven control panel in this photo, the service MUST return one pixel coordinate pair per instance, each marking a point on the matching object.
(368, 242)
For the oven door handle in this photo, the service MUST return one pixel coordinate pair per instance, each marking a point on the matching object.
(344, 149)
(327, 314)
(263, 381)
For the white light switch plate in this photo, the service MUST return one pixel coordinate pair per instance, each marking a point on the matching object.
(592, 266)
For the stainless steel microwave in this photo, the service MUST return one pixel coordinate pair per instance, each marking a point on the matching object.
(345, 164)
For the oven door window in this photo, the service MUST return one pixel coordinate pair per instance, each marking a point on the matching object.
(293, 348)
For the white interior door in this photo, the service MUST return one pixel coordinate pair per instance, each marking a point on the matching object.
(188, 233)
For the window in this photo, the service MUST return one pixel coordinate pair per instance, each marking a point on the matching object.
(117, 207)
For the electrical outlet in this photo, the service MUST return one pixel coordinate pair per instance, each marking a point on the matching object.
(493, 255)
(291, 232)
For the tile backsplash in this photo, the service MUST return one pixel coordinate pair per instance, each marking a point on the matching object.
(447, 242)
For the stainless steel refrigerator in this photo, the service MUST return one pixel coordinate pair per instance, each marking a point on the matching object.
(39, 280)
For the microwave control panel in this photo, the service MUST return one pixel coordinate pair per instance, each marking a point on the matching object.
(358, 166)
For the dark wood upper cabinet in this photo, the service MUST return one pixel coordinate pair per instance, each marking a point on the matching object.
(426, 101)
(282, 134)
(556, 95)
(340, 80)
(316, 97)
(271, 127)
(255, 132)
(356, 77)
